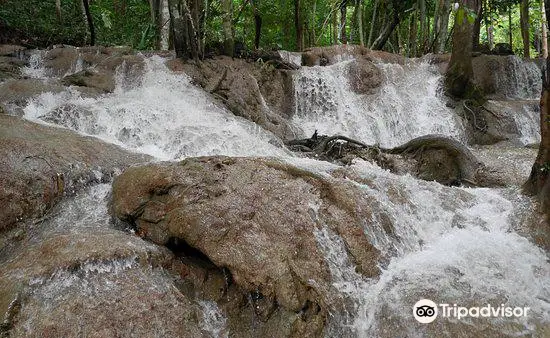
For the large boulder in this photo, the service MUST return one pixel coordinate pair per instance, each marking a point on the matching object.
(364, 77)
(102, 81)
(99, 283)
(505, 77)
(323, 56)
(40, 164)
(258, 218)
(15, 94)
(253, 90)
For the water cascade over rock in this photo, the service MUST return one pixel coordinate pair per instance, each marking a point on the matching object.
(242, 238)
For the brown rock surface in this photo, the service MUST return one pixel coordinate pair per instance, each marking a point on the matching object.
(255, 91)
(99, 283)
(40, 164)
(255, 217)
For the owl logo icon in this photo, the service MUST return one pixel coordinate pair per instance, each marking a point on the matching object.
(425, 311)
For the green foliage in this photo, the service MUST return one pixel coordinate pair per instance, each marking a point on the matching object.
(126, 22)
(37, 23)
(122, 22)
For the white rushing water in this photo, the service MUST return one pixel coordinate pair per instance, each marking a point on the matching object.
(452, 245)
(407, 105)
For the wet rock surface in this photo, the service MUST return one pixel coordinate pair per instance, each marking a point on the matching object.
(507, 77)
(255, 217)
(253, 90)
(15, 94)
(39, 165)
(93, 281)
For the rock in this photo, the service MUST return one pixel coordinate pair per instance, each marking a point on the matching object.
(10, 68)
(310, 59)
(103, 283)
(255, 91)
(333, 54)
(502, 49)
(364, 77)
(61, 60)
(40, 164)
(93, 79)
(64, 60)
(15, 94)
(11, 50)
(258, 218)
(507, 77)
(516, 121)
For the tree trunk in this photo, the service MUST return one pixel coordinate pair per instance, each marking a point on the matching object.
(489, 25)
(458, 79)
(477, 26)
(423, 27)
(313, 22)
(537, 182)
(334, 28)
(413, 33)
(524, 19)
(187, 24)
(298, 25)
(90, 21)
(544, 31)
(58, 9)
(510, 39)
(257, 22)
(441, 27)
(373, 19)
(386, 32)
(359, 21)
(343, 21)
(227, 24)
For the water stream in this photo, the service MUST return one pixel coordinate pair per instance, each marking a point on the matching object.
(452, 245)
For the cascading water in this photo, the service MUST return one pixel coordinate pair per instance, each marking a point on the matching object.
(165, 116)
(405, 107)
(451, 245)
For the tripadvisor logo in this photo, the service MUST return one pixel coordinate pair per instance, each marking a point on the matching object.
(426, 311)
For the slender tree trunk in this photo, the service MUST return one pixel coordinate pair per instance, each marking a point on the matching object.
(413, 33)
(477, 26)
(423, 26)
(227, 24)
(359, 21)
(373, 19)
(335, 27)
(179, 30)
(58, 9)
(442, 27)
(510, 41)
(343, 21)
(458, 79)
(544, 31)
(257, 22)
(187, 23)
(537, 184)
(488, 25)
(386, 31)
(524, 19)
(90, 21)
(313, 22)
(298, 25)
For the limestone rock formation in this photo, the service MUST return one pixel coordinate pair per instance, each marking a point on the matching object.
(257, 218)
(40, 164)
(254, 90)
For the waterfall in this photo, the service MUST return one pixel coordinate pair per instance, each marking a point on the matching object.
(406, 106)
(163, 116)
(448, 244)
